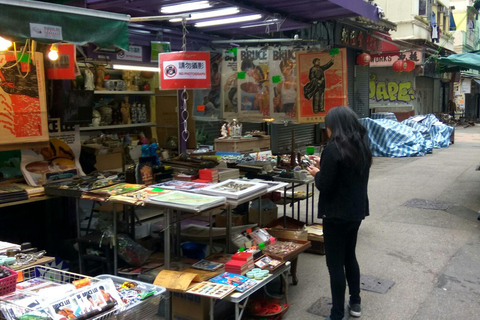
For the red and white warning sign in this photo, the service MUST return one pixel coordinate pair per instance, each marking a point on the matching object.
(179, 70)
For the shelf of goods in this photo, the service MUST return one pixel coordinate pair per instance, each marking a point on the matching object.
(105, 92)
(119, 126)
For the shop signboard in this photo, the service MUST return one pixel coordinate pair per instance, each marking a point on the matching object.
(322, 84)
(184, 70)
(134, 53)
(387, 61)
(157, 47)
(64, 67)
(351, 37)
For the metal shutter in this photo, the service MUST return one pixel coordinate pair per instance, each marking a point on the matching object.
(281, 136)
(351, 57)
(361, 104)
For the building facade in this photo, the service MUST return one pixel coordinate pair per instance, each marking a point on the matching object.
(466, 89)
(423, 32)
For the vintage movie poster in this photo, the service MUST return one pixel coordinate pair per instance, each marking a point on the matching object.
(322, 84)
(207, 103)
(253, 83)
(23, 107)
(59, 161)
(283, 82)
(229, 84)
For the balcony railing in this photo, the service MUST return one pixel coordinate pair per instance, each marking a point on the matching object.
(470, 38)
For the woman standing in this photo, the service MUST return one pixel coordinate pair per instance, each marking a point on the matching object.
(341, 176)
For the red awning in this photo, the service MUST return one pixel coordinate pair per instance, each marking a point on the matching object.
(388, 46)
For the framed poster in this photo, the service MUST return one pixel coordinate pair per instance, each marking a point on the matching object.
(322, 84)
(253, 83)
(23, 107)
(229, 84)
(207, 102)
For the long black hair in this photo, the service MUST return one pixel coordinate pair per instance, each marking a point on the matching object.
(350, 136)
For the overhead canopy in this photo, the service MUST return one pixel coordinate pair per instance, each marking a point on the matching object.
(46, 22)
(469, 60)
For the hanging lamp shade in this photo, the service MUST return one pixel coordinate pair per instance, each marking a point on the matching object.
(410, 65)
(364, 59)
(400, 66)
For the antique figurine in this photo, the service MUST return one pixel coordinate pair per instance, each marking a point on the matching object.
(89, 84)
(100, 77)
(125, 110)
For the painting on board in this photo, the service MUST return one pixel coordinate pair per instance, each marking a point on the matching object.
(322, 84)
(23, 111)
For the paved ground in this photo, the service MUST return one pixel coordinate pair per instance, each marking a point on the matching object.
(433, 256)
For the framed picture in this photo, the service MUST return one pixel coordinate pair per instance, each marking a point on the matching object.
(322, 84)
(23, 106)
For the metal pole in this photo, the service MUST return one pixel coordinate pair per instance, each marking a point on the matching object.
(77, 212)
(166, 260)
(285, 206)
(229, 227)
(306, 209)
(115, 241)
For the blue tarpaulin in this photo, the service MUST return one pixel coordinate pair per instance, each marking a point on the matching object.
(413, 137)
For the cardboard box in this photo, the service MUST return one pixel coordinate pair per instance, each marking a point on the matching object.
(293, 234)
(267, 216)
(190, 307)
(237, 220)
(106, 158)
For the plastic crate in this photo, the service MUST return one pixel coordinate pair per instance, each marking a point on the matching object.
(8, 284)
(55, 275)
(144, 309)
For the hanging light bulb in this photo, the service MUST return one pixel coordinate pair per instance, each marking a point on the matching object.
(53, 54)
(4, 44)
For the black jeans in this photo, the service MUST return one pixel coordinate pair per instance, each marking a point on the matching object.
(340, 242)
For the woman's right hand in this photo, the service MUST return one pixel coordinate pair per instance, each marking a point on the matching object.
(315, 160)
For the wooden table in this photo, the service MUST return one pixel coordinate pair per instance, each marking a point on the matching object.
(40, 262)
(252, 144)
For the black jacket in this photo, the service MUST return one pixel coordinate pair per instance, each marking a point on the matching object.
(343, 191)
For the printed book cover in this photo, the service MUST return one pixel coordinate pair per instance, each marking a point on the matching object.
(212, 290)
(231, 279)
(207, 265)
(187, 201)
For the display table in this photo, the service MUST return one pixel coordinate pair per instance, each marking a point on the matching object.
(240, 299)
(310, 181)
(261, 143)
(39, 262)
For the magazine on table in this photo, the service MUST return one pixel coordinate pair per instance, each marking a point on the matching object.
(235, 189)
(68, 308)
(186, 200)
(246, 285)
(231, 279)
(19, 304)
(138, 197)
(211, 290)
(182, 185)
(104, 193)
(207, 265)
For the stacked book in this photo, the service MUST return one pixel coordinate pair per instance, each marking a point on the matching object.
(237, 267)
(10, 193)
(228, 173)
(240, 264)
(246, 257)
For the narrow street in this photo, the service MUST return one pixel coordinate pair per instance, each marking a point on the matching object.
(431, 255)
